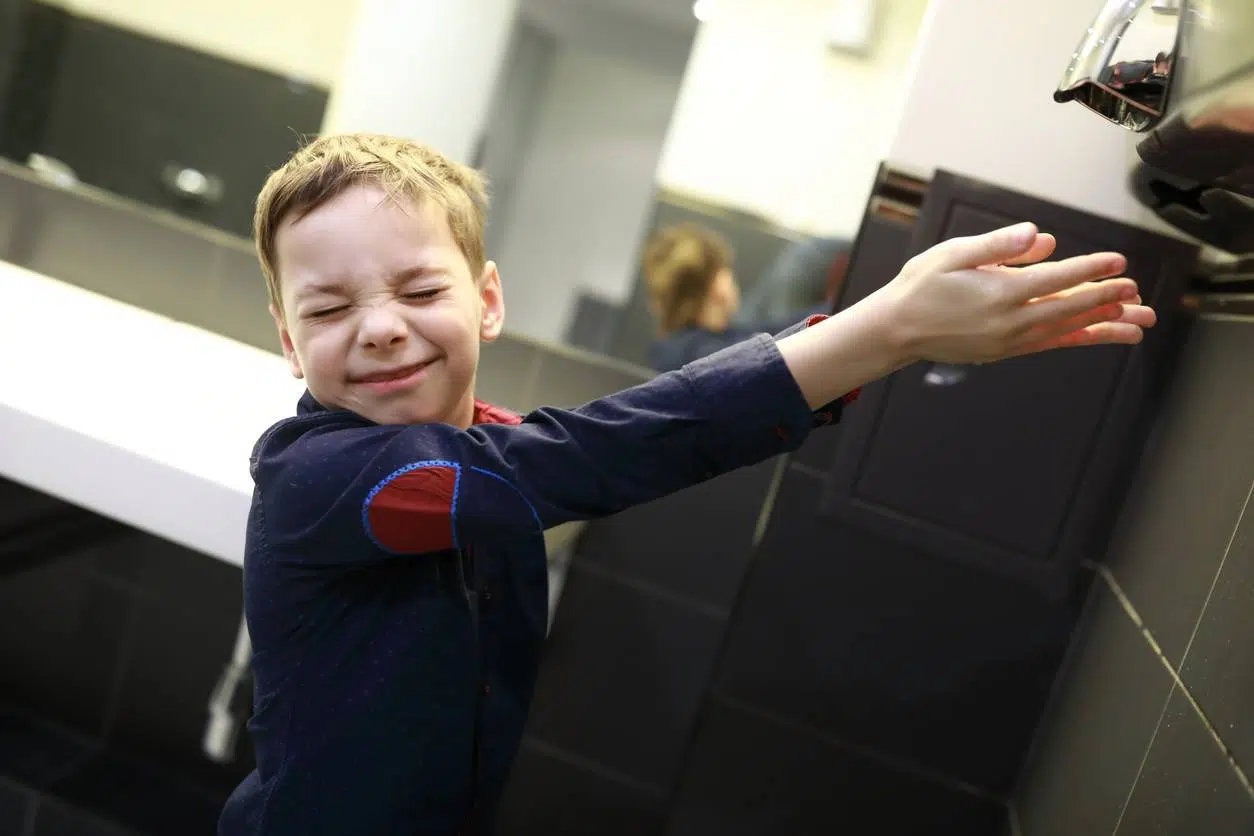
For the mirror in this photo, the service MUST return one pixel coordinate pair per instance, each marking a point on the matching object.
(609, 122)
(1123, 67)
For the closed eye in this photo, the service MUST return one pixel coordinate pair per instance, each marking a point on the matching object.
(422, 294)
(323, 313)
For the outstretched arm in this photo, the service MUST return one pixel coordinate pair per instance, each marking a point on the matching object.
(966, 301)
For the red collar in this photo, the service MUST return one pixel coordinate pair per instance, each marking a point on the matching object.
(486, 413)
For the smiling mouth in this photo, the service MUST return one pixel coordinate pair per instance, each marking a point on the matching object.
(394, 374)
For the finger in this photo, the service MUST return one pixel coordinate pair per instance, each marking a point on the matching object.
(1091, 316)
(1105, 333)
(1041, 249)
(1072, 302)
(1139, 315)
(1054, 276)
(996, 247)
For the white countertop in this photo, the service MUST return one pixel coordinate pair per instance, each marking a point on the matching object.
(133, 415)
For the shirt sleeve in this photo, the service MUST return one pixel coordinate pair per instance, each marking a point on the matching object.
(427, 488)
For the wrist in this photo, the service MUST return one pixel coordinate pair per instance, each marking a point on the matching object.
(889, 332)
(848, 350)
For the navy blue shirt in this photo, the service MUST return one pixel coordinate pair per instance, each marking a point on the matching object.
(395, 583)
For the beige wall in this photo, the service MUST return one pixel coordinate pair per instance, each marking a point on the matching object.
(772, 121)
(980, 103)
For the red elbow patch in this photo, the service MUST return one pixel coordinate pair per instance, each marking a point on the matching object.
(412, 511)
(815, 319)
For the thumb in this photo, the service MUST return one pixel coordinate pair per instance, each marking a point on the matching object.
(994, 247)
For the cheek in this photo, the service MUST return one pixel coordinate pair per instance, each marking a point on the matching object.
(320, 350)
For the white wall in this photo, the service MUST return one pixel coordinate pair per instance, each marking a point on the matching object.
(771, 121)
(299, 38)
(423, 69)
(981, 105)
(583, 194)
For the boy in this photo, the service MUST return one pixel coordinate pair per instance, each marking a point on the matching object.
(395, 579)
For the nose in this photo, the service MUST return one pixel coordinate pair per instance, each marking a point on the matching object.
(381, 327)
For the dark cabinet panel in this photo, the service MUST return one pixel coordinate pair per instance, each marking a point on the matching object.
(879, 251)
(1014, 465)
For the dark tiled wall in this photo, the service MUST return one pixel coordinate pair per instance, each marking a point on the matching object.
(1152, 728)
(723, 661)
(118, 107)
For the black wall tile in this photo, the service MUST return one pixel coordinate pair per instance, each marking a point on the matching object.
(125, 105)
(20, 505)
(55, 818)
(1187, 785)
(61, 636)
(1095, 735)
(15, 802)
(695, 543)
(185, 628)
(622, 677)
(751, 777)
(1219, 666)
(551, 796)
(940, 663)
(36, 752)
(1191, 486)
(141, 797)
(37, 49)
(11, 14)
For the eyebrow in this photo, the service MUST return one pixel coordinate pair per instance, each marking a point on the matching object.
(336, 288)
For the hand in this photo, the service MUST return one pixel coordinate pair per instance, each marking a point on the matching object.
(962, 302)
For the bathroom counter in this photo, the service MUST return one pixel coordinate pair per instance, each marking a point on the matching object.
(133, 415)
(136, 416)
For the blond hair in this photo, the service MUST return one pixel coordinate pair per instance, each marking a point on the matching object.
(680, 265)
(329, 165)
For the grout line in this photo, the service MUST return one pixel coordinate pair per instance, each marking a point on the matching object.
(1012, 813)
(768, 504)
(32, 812)
(1215, 582)
(1132, 613)
(113, 699)
(895, 762)
(809, 470)
(1140, 768)
(570, 758)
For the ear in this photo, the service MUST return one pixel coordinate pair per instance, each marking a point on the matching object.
(492, 299)
(289, 350)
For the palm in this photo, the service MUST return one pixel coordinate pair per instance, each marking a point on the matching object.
(979, 305)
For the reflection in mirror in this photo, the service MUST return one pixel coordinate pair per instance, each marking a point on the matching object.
(781, 124)
(183, 109)
(601, 127)
(1123, 67)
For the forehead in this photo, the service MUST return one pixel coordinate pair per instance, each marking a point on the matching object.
(363, 234)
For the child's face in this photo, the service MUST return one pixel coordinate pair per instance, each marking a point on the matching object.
(382, 314)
